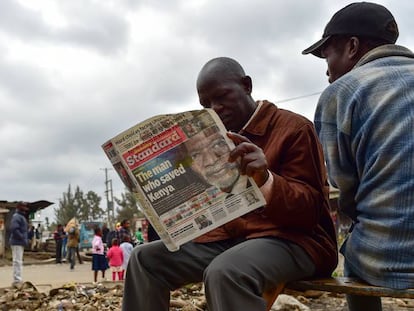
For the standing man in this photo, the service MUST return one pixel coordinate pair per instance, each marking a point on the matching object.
(290, 238)
(31, 236)
(18, 240)
(64, 246)
(38, 237)
(58, 236)
(114, 234)
(365, 120)
(124, 230)
(105, 232)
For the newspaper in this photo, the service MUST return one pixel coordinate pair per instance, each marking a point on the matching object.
(176, 166)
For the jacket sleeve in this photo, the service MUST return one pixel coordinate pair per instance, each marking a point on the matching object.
(299, 187)
(334, 119)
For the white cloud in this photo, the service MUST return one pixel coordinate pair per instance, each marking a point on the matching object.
(74, 73)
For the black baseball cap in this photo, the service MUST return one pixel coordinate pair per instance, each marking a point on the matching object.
(359, 19)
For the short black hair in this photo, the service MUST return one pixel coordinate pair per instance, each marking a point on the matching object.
(124, 221)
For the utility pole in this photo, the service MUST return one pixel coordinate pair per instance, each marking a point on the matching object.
(109, 198)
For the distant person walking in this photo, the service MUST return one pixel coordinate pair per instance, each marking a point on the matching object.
(64, 246)
(37, 238)
(126, 248)
(30, 236)
(99, 262)
(116, 258)
(105, 232)
(78, 253)
(18, 240)
(114, 234)
(73, 241)
(58, 236)
(125, 230)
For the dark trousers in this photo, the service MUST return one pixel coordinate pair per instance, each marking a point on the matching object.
(58, 251)
(71, 256)
(235, 273)
(79, 256)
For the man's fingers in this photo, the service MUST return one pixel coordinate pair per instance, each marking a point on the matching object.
(241, 150)
(237, 138)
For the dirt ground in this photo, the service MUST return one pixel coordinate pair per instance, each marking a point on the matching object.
(337, 302)
(316, 301)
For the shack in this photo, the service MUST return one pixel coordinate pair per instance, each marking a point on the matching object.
(6, 212)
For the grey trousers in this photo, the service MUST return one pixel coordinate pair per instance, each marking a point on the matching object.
(235, 273)
(17, 254)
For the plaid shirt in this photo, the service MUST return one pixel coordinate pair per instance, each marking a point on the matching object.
(365, 121)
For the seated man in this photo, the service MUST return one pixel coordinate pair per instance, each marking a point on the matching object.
(291, 238)
(365, 121)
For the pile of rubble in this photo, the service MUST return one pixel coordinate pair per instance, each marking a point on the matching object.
(68, 297)
(102, 297)
(108, 296)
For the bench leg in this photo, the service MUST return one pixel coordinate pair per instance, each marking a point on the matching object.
(271, 295)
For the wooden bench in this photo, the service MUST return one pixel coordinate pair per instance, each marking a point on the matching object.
(342, 285)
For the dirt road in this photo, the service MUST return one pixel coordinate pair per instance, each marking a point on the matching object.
(47, 276)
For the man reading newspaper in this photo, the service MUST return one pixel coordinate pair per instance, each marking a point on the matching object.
(291, 237)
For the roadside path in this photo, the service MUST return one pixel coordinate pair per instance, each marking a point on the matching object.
(51, 275)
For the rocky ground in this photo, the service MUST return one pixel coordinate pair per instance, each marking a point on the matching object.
(334, 302)
(108, 296)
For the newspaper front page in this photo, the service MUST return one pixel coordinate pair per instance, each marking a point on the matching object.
(176, 165)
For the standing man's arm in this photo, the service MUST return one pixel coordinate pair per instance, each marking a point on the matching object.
(16, 228)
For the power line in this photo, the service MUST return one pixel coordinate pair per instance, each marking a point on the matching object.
(296, 98)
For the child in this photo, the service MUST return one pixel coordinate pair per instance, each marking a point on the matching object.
(126, 247)
(99, 262)
(116, 258)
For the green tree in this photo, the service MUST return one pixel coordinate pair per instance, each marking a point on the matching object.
(91, 209)
(67, 207)
(128, 207)
(77, 204)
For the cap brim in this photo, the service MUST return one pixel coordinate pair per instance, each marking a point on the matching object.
(316, 48)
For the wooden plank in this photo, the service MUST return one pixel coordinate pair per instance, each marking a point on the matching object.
(351, 286)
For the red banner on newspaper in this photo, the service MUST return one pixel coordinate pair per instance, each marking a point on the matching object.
(153, 147)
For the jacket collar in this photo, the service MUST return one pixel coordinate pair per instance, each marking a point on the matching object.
(257, 124)
(384, 51)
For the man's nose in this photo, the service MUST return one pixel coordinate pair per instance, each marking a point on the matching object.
(209, 158)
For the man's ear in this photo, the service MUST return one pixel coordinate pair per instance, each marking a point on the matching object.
(354, 48)
(247, 84)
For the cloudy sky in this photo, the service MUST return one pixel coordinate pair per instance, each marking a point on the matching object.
(75, 73)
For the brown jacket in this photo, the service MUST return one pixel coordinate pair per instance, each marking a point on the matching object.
(73, 239)
(298, 210)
